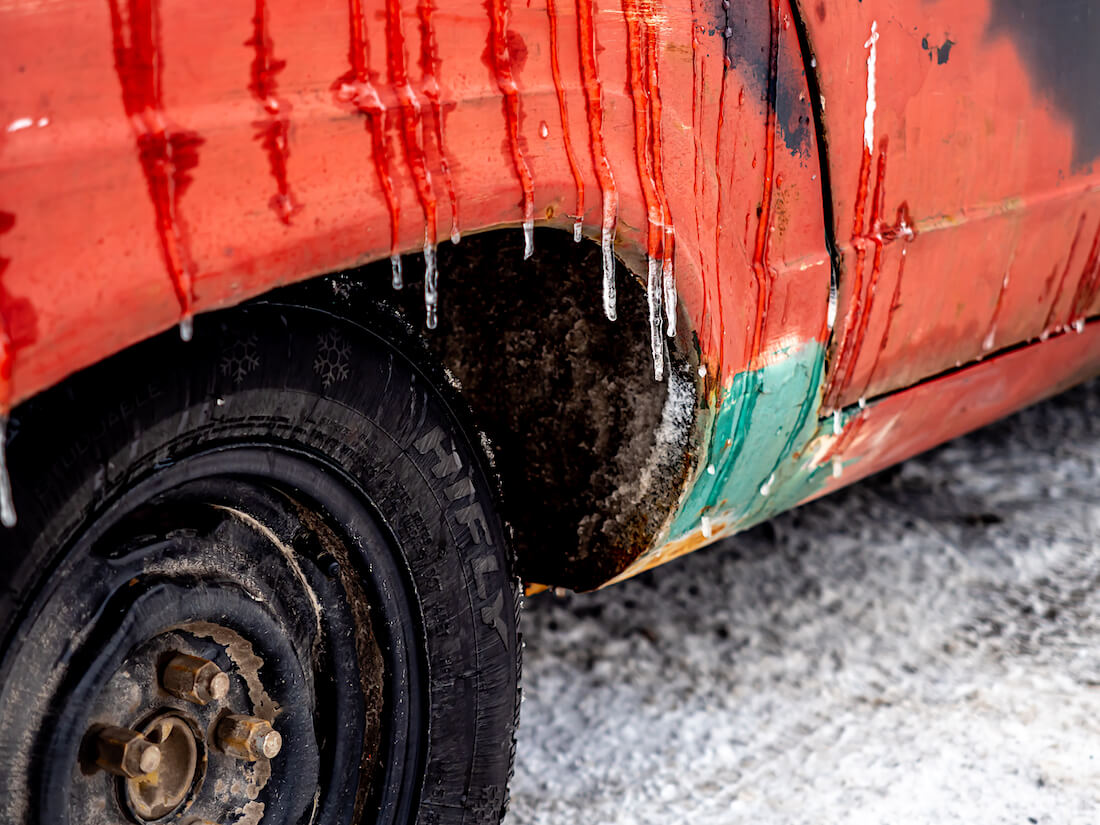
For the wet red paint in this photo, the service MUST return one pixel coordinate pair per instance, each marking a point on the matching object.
(719, 143)
(637, 72)
(410, 117)
(1048, 324)
(710, 333)
(355, 88)
(760, 266)
(18, 322)
(854, 344)
(273, 131)
(877, 234)
(167, 154)
(895, 302)
(429, 67)
(593, 99)
(656, 142)
(501, 63)
(559, 87)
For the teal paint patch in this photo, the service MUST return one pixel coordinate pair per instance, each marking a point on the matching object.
(758, 459)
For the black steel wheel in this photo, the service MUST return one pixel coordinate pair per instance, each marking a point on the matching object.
(257, 578)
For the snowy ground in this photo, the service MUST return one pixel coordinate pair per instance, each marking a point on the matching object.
(921, 648)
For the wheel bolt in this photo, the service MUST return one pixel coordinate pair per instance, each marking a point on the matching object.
(194, 679)
(126, 752)
(247, 737)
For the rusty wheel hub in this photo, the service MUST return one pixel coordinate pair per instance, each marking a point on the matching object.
(207, 655)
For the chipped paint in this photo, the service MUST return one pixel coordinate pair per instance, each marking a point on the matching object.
(761, 441)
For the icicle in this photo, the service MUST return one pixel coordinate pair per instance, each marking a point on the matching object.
(670, 297)
(1079, 325)
(607, 239)
(528, 237)
(395, 265)
(7, 505)
(431, 276)
(707, 527)
(456, 236)
(187, 327)
(838, 468)
(578, 227)
(837, 427)
(653, 296)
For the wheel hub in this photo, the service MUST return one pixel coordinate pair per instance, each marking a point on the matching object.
(157, 793)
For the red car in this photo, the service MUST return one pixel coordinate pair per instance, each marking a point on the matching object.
(321, 324)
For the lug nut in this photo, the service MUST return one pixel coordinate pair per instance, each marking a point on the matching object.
(194, 679)
(126, 752)
(247, 737)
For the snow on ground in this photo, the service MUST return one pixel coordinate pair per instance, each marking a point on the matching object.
(923, 647)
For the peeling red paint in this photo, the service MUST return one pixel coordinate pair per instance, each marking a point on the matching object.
(273, 131)
(167, 155)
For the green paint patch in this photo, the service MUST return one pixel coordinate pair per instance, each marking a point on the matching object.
(759, 459)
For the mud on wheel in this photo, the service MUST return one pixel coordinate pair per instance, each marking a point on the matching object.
(256, 578)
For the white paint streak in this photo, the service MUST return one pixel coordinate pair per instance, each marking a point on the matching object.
(872, 61)
(20, 124)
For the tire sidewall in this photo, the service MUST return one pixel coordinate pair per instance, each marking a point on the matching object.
(348, 396)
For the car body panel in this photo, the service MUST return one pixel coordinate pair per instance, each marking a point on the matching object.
(160, 159)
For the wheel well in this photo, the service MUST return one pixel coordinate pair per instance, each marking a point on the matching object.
(591, 451)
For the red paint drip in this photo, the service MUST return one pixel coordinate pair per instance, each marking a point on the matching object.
(1088, 284)
(412, 139)
(640, 97)
(7, 344)
(760, 266)
(990, 336)
(719, 222)
(355, 88)
(559, 87)
(854, 344)
(167, 154)
(429, 67)
(1062, 281)
(879, 235)
(855, 305)
(501, 58)
(656, 141)
(593, 93)
(273, 131)
(698, 181)
(895, 302)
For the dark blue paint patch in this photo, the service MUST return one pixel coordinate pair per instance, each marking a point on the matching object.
(942, 52)
(1057, 42)
(744, 30)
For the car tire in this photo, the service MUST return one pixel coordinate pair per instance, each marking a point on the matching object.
(292, 500)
